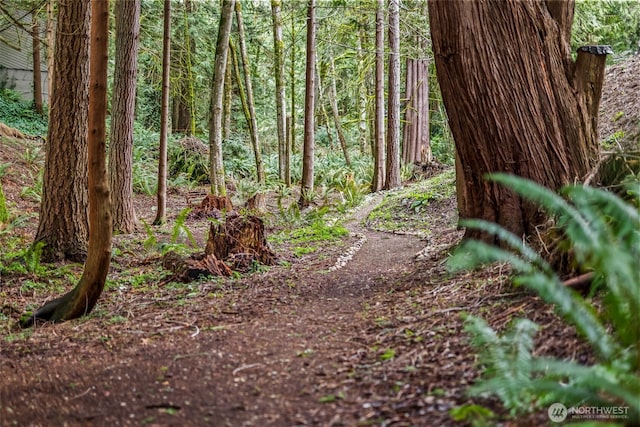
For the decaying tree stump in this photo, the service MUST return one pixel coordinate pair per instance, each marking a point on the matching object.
(240, 239)
(194, 267)
(212, 207)
(235, 243)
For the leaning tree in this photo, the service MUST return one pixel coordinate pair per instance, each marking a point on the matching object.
(517, 102)
(84, 296)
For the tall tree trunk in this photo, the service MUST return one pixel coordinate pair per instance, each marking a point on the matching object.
(252, 119)
(81, 300)
(333, 100)
(218, 187)
(415, 144)
(306, 188)
(161, 211)
(361, 98)
(184, 117)
(535, 122)
(228, 100)
(123, 105)
(63, 225)
(292, 82)
(392, 176)
(378, 125)
(37, 75)
(281, 105)
(323, 118)
(50, 51)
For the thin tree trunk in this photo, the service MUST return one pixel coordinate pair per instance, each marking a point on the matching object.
(253, 121)
(289, 146)
(123, 104)
(228, 100)
(324, 116)
(37, 75)
(81, 300)
(188, 46)
(281, 105)
(309, 108)
(218, 187)
(161, 211)
(63, 226)
(292, 82)
(392, 176)
(50, 52)
(379, 146)
(333, 100)
(361, 100)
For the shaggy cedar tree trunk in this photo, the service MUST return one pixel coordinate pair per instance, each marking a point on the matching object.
(516, 102)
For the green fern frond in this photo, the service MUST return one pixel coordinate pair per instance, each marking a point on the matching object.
(567, 216)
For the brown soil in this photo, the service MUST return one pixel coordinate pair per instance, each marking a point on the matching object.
(620, 104)
(376, 341)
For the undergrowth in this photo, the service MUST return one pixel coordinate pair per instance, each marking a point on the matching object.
(603, 232)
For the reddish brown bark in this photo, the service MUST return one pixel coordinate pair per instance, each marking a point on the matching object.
(161, 196)
(37, 75)
(392, 175)
(81, 300)
(378, 146)
(309, 108)
(513, 102)
(415, 143)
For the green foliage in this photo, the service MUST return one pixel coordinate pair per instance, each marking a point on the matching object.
(476, 415)
(16, 113)
(181, 238)
(319, 231)
(4, 214)
(610, 22)
(189, 161)
(24, 261)
(603, 232)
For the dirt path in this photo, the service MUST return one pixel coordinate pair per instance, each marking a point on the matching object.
(275, 368)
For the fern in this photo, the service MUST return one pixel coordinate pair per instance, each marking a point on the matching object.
(603, 232)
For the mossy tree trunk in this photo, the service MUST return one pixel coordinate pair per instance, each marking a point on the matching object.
(281, 105)
(306, 187)
(216, 166)
(250, 105)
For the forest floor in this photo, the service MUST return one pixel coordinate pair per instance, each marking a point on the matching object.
(376, 341)
(379, 341)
